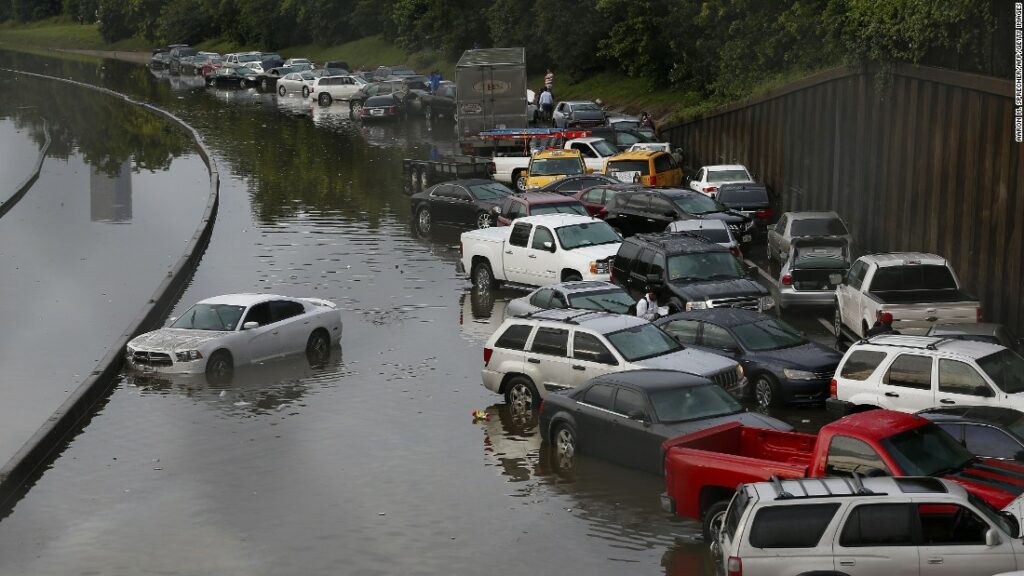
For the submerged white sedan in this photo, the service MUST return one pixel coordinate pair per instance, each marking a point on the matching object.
(219, 333)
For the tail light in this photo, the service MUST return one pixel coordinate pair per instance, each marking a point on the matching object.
(833, 388)
(487, 355)
(977, 313)
(787, 280)
(734, 566)
(734, 251)
(653, 180)
(711, 189)
(764, 214)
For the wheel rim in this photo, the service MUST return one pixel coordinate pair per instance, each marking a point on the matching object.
(424, 220)
(305, 92)
(521, 183)
(521, 397)
(483, 220)
(356, 107)
(715, 526)
(483, 278)
(318, 348)
(220, 368)
(565, 448)
(241, 83)
(763, 390)
(281, 91)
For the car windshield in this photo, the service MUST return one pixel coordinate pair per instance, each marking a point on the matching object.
(1006, 369)
(556, 166)
(589, 234)
(641, 166)
(249, 58)
(604, 148)
(573, 208)
(742, 196)
(615, 301)
(306, 76)
(626, 124)
(585, 106)
(642, 342)
(820, 257)
(728, 175)
(704, 266)
(770, 334)
(490, 191)
(697, 204)
(218, 317)
(818, 227)
(927, 451)
(693, 403)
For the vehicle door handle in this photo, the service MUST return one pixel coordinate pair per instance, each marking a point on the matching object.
(847, 562)
(578, 367)
(892, 395)
(650, 219)
(945, 401)
(274, 333)
(508, 251)
(531, 255)
(533, 360)
(935, 560)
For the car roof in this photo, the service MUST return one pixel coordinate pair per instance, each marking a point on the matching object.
(533, 198)
(557, 153)
(467, 182)
(580, 102)
(904, 259)
(812, 215)
(969, 348)
(809, 490)
(679, 242)
(700, 224)
(725, 167)
(597, 320)
(877, 425)
(727, 317)
(581, 286)
(652, 380)
(244, 299)
(379, 98)
(557, 220)
(984, 414)
(635, 155)
(675, 191)
(587, 139)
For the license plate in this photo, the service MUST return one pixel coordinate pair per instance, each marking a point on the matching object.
(835, 279)
(377, 112)
(746, 238)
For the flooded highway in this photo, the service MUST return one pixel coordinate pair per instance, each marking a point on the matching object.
(370, 464)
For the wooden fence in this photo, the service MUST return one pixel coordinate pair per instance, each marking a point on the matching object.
(927, 164)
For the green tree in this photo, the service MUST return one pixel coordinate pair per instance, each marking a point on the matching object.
(570, 32)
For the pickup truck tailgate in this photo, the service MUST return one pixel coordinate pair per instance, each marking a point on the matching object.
(917, 318)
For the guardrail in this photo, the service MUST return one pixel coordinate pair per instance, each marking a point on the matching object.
(27, 183)
(58, 429)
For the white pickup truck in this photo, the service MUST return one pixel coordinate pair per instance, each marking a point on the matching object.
(917, 289)
(540, 250)
(513, 170)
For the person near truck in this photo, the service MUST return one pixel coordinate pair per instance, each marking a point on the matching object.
(883, 325)
(648, 121)
(547, 103)
(647, 307)
(549, 79)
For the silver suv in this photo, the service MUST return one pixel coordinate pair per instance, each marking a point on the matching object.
(892, 526)
(558, 349)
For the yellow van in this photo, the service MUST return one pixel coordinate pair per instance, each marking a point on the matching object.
(654, 168)
(547, 166)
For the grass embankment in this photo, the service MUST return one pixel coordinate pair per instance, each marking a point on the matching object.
(617, 91)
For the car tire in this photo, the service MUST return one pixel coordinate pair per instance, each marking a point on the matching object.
(484, 219)
(565, 446)
(519, 180)
(281, 90)
(305, 91)
(521, 394)
(713, 519)
(482, 276)
(318, 347)
(354, 108)
(767, 391)
(837, 327)
(264, 84)
(241, 83)
(324, 99)
(220, 368)
(572, 277)
(424, 220)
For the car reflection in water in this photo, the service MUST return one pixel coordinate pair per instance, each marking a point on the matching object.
(264, 388)
(481, 312)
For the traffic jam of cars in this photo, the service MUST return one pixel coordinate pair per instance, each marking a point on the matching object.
(645, 335)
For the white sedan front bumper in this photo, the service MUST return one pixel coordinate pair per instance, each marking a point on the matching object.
(162, 361)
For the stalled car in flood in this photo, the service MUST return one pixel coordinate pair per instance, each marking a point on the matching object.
(603, 296)
(218, 334)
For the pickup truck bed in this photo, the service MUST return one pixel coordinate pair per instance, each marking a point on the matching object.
(922, 298)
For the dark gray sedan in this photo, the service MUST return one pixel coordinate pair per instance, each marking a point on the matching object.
(584, 295)
(461, 203)
(626, 416)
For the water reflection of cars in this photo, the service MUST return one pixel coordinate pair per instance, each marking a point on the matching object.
(480, 313)
(625, 417)
(511, 440)
(582, 295)
(219, 333)
(461, 203)
(232, 77)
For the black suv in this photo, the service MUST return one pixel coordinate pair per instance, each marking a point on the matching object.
(687, 272)
(649, 210)
(754, 200)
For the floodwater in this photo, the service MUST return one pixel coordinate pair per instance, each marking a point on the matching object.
(372, 464)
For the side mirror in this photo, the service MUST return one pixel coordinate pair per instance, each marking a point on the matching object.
(983, 391)
(992, 538)
(550, 247)
(250, 325)
(670, 213)
(1012, 521)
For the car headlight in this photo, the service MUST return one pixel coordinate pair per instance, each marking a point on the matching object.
(765, 303)
(798, 374)
(698, 305)
(739, 372)
(188, 355)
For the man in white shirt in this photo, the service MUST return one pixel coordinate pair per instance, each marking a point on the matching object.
(547, 103)
(647, 307)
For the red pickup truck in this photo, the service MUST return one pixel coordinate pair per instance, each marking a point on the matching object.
(703, 469)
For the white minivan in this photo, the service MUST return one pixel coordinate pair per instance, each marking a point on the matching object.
(912, 373)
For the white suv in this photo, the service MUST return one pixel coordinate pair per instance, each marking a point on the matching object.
(327, 89)
(557, 349)
(911, 373)
(897, 526)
